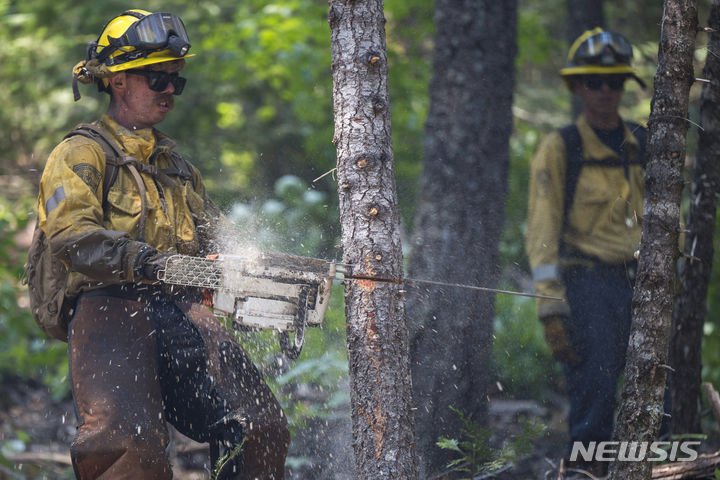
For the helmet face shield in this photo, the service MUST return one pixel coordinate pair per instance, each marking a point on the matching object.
(604, 48)
(156, 31)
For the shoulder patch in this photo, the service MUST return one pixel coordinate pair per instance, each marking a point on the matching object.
(89, 174)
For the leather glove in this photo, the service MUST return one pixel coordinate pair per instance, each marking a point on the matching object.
(558, 341)
(149, 262)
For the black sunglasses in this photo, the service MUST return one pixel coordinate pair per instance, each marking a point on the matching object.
(158, 81)
(595, 82)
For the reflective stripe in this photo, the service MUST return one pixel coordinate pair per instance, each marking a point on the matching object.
(52, 202)
(548, 271)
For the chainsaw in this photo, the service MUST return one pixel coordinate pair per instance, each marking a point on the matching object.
(274, 291)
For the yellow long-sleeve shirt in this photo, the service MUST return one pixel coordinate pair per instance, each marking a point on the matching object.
(99, 243)
(603, 222)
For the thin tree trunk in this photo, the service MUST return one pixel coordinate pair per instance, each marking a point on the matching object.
(582, 15)
(641, 407)
(380, 386)
(459, 217)
(691, 306)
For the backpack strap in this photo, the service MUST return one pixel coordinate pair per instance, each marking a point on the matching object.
(114, 159)
(110, 148)
(181, 168)
(640, 133)
(574, 163)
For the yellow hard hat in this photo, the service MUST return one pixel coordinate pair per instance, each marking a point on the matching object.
(137, 38)
(134, 39)
(600, 52)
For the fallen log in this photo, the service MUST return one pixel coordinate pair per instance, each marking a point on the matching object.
(705, 465)
(702, 467)
(38, 457)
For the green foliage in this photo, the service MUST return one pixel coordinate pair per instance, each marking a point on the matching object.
(225, 460)
(512, 247)
(410, 31)
(525, 367)
(322, 367)
(298, 219)
(24, 350)
(537, 34)
(261, 82)
(475, 455)
(711, 337)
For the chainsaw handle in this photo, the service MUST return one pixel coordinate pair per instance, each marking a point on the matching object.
(293, 351)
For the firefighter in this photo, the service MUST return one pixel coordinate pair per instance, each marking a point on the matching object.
(141, 354)
(584, 214)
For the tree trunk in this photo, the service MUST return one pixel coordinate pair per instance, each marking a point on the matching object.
(459, 216)
(380, 386)
(582, 15)
(691, 306)
(641, 406)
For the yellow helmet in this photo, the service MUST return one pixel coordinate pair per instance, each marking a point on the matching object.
(135, 38)
(600, 52)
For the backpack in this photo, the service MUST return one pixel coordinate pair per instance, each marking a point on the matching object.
(45, 275)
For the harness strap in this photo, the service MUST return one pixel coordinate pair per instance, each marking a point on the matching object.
(575, 162)
(143, 200)
(161, 174)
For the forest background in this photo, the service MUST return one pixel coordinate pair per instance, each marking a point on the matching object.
(256, 119)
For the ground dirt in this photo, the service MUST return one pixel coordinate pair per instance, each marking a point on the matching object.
(36, 432)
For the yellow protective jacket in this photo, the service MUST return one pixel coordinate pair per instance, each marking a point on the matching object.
(603, 222)
(99, 243)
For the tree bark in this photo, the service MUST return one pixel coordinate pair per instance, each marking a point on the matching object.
(459, 217)
(583, 15)
(691, 306)
(641, 407)
(381, 390)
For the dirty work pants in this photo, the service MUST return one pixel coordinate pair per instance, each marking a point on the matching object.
(136, 364)
(600, 301)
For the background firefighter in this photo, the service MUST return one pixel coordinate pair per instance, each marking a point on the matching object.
(141, 354)
(584, 214)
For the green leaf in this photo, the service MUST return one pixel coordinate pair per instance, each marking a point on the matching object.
(449, 444)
